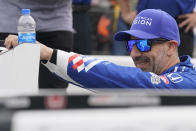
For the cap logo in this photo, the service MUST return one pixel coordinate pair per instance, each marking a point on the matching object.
(143, 21)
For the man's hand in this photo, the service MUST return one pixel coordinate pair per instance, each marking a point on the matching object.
(190, 21)
(45, 52)
(11, 41)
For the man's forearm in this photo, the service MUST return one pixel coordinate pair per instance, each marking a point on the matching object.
(127, 13)
(124, 6)
(45, 52)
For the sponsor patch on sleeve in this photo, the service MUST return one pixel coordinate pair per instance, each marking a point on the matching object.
(175, 77)
(155, 79)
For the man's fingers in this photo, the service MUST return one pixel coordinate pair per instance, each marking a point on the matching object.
(185, 22)
(14, 42)
(7, 43)
(11, 41)
(189, 26)
(189, 22)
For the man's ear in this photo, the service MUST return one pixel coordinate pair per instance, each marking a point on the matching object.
(172, 47)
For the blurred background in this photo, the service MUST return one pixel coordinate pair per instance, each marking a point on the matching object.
(103, 18)
(56, 109)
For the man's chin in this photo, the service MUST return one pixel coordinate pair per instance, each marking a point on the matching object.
(143, 66)
(145, 69)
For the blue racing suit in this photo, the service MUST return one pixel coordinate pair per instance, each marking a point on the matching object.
(90, 72)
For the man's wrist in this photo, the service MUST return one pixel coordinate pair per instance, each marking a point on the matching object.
(53, 56)
(46, 54)
(49, 54)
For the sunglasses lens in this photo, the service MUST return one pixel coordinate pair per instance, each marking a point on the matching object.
(143, 45)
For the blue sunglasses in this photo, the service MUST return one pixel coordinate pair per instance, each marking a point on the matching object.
(143, 45)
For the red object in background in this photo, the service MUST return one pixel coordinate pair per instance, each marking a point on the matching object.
(102, 28)
(55, 102)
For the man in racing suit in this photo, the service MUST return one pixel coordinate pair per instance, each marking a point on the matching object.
(153, 42)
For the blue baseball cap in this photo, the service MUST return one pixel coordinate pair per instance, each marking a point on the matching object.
(151, 24)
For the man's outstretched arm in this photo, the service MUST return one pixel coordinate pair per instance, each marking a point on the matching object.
(45, 52)
(90, 72)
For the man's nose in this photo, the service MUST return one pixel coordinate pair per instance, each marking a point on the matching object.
(135, 52)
